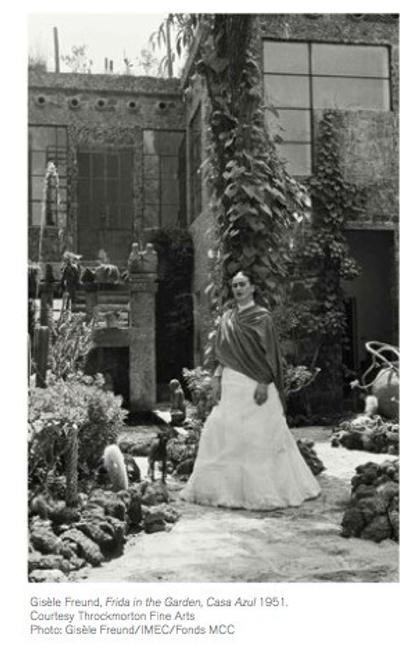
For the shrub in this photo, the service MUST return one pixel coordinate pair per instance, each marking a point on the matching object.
(71, 342)
(78, 401)
(198, 382)
(296, 378)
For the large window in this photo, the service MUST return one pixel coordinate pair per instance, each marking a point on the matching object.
(46, 144)
(164, 180)
(300, 77)
(105, 202)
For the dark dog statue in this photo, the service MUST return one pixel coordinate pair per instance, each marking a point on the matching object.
(158, 453)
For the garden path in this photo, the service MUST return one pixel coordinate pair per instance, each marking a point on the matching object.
(292, 545)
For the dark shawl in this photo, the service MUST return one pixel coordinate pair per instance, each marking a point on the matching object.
(247, 342)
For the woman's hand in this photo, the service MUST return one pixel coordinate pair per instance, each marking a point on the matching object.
(261, 394)
(216, 388)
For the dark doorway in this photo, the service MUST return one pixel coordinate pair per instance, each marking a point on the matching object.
(113, 363)
(371, 299)
(174, 307)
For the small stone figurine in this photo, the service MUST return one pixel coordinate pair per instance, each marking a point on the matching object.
(145, 261)
(178, 404)
(134, 258)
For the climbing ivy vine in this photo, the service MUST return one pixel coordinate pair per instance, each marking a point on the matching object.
(321, 256)
(253, 198)
(255, 203)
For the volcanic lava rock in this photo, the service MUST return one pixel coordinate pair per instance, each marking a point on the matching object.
(154, 493)
(49, 562)
(86, 547)
(46, 575)
(373, 511)
(44, 540)
(370, 433)
(306, 448)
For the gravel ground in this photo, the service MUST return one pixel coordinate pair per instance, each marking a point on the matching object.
(287, 545)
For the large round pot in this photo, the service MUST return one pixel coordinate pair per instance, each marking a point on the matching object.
(386, 390)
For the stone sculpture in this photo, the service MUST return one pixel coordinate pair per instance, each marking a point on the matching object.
(142, 261)
(178, 404)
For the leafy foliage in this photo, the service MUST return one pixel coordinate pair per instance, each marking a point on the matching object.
(321, 256)
(78, 60)
(254, 199)
(71, 343)
(80, 402)
(149, 63)
(198, 381)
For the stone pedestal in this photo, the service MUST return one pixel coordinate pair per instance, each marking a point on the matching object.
(46, 301)
(142, 340)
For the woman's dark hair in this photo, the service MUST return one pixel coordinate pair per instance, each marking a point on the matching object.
(258, 296)
(246, 274)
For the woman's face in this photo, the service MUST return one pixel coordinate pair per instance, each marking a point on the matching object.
(243, 290)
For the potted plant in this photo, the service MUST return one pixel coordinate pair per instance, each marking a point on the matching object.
(106, 273)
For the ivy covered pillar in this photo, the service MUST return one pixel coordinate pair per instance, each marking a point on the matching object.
(142, 363)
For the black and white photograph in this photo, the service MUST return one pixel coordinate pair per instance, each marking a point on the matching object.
(212, 353)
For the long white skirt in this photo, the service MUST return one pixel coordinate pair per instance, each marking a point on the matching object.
(247, 456)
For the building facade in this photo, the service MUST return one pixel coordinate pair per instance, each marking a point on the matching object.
(129, 154)
(313, 63)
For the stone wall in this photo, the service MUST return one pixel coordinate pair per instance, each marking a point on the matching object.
(369, 150)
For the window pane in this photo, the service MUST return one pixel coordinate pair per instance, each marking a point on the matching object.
(84, 164)
(351, 60)
(126, 165)
(151, 216)
(112, 166)
(351, 94)
(151, 166)
(37, 188)
(162, 142)
(61, 168)
(293, 125)
(148, 137)
(151, 191)
(38, 162)
(287, 91)
(98, 165)
(36, 211)
(126, 190)
(112, 190)
(170, 192)
(99, 188)
(286, 57)
(169, 167)
(169, 216)
(167, 142)
(42, 136)
(298, 158)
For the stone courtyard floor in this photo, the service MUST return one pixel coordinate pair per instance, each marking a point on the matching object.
(291, 545)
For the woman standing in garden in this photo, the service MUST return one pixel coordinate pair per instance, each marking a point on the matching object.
(247, 456)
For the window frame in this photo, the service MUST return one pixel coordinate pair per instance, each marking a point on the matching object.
(31, 175)
(311, 75)
(160, 204)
